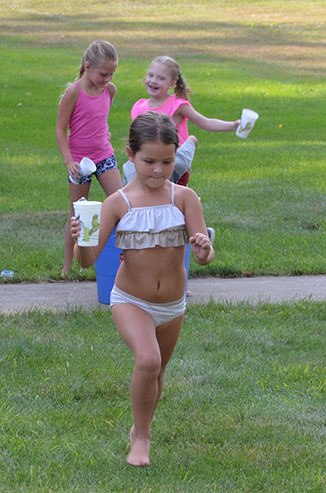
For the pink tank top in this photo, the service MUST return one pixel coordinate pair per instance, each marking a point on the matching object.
(169, 106)
(88, 127)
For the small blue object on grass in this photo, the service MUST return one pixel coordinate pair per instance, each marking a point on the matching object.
(107, 265)
(6, 273)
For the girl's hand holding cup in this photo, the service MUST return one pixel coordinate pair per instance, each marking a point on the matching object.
(75, 228)
(74, 170)
(236, 124)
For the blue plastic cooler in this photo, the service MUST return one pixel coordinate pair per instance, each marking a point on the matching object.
(106, 267)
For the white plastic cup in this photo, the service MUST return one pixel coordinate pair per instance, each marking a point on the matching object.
(87, 167)
(88, 213)
(247, 123)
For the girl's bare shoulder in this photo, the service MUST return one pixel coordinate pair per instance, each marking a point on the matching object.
(71, 92)
(184, 192)
(112, 89)
(112, 199)
(73, 86)
(115, 204)
(185, 198)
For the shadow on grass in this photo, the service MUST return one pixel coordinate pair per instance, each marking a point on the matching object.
(281, 46)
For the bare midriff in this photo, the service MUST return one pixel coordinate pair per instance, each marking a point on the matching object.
(155, 274)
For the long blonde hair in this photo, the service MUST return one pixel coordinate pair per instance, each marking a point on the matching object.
(98, 53)
(181, 90)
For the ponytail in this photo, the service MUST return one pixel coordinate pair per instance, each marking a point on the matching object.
(181, 89)
(81, 68)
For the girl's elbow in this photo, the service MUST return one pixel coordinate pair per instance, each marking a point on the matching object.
(60, 134)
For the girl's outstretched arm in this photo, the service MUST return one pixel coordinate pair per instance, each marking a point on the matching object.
(210, 124)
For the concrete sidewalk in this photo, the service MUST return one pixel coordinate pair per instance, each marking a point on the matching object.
(64, 295)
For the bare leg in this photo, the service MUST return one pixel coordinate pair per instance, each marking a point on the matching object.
(152, 349)
(138, 332)
(167, 337)
(110, 181)
(76, 192)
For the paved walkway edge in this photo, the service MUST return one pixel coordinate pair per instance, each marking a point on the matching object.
(63, 295)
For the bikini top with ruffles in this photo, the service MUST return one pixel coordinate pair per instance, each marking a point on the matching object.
(148, 227)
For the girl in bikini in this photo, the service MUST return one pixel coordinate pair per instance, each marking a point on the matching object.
(154, 220)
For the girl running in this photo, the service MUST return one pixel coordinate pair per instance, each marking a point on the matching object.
(154, 220)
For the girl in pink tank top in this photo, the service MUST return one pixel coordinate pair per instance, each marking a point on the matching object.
(84, 109)
(163, 75)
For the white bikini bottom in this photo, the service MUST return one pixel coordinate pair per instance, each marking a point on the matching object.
(161, 313)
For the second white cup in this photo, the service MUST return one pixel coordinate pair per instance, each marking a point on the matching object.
(247, 123)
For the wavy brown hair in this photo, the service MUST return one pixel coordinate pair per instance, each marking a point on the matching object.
(152, 127)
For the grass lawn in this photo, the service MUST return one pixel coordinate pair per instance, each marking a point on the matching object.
(265, 196)
(243, 408)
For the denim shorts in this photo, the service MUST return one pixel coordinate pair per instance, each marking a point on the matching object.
(101, 167)
(183, 160)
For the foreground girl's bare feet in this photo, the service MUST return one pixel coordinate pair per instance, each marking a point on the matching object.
(139, 450)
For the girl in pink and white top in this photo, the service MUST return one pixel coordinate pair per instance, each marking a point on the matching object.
(163, 75)
(84, 108)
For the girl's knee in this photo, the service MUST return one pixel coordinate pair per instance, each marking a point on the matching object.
(193, 139)
(149, 363)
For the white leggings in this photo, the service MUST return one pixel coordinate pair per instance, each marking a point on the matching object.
(161, 313)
